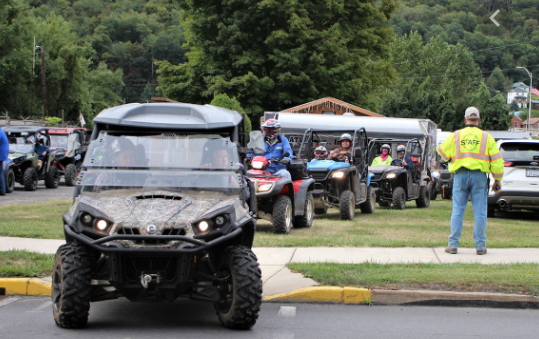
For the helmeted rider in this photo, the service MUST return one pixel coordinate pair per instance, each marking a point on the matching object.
(276, 146)
(403, 161)
(384, 158)
(320, 153)
(343, 153)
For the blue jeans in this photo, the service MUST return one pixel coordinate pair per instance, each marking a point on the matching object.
(283, 173)
(464, 183)
(2, 178)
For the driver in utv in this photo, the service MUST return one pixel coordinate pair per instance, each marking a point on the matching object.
(320, 153)
(384, 158)
(403, 161)
(344, 152)
(276, 146)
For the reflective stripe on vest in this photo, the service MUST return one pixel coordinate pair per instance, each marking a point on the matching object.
(479, 156)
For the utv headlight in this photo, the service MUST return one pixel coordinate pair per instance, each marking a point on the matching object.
(203, 226)
(338, 175)
(101, 225)
(391, 176)
(220, 221)
(86, 219)
(436, 174)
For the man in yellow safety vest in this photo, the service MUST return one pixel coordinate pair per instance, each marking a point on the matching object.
(473, 154)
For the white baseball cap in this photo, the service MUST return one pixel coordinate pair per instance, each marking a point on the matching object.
(472, 113)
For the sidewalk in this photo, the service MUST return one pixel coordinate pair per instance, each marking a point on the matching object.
(279, 284)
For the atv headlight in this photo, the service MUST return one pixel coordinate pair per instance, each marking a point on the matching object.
(436, 174)
(391, 176)
(264, 186)
(338, 175)
(257, 164)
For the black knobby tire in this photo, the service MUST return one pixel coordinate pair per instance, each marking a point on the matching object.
(370, 203)
(52, 178)
(70, 175)
(10, 181)
(347, 205)
(424, 197)
(399, 198)
(432, 190)
(306, 220)
(241, 291)
(29, 179)
(71, 289)
(282, 215)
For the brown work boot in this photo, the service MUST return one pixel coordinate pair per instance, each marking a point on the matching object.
(451, 250)
(481, 252)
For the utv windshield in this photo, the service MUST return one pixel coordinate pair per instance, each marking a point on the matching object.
(59, 141)
(162, 151)
(21, 144)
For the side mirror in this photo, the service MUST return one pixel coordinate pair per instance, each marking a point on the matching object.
(358, 152)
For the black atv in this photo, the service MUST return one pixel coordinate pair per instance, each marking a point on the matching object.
(22, 165)
(394, 184)
(340, 184)
(442, 181)
(161, 211)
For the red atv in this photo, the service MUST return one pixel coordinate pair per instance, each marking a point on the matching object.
(280, 201)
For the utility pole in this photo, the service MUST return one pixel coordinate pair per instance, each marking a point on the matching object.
(32, 78)
(43, 81)
(530, 100)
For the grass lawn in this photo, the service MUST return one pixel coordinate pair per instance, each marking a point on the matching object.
(412, 227)
(19, 264)
(514, 278)
(41, 219)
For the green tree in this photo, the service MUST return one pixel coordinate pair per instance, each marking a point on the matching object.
(514, 106)
(104, 87)
(274, 54)
(497, 80)
(495, 114)
(223, 100)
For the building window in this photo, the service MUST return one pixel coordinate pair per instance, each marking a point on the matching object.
(516, 124)
(328, 112)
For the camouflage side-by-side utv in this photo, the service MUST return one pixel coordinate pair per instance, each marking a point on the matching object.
(161, 211)
(21, 166)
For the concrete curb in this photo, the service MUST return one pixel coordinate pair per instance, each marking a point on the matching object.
(25, 286)
(324, 294)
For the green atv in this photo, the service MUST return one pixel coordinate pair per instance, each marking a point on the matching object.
(22, 165)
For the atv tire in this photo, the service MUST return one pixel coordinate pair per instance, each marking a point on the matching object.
(29, 179)
(423, 200)
(282, 215)
(370, 203)
(347, 205)
(399, 199)
(306, 220)
(70, 175)
(432, 191)
(10, 181)
(52, 178)
(71, 289)
(241, 290)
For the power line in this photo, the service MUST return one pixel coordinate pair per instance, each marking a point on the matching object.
(467, 74)
(477, 50)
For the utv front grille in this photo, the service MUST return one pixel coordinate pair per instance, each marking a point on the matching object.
(135, 266)
(318, 175)
(135, 231)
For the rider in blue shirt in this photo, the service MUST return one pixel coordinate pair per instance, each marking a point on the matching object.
(41, 151)
(276, 146)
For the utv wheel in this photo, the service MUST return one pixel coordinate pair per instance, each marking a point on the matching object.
(306, 220)
(52, 178)
(70, 175)
(347, 205)
(424, 197)
(71, 288)
(432, 190)
(399, 199)
(241, 289)
(282, 215)
(10, 181)
(370, 204)
(30, 179)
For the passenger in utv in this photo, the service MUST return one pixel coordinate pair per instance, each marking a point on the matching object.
(384, 158)
(320, 153)
(276, 146)
(344, 152)
(473, 154)
(41, 151)
(122, 157)
(402, 161)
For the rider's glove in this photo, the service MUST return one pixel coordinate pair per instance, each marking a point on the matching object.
(285, 160)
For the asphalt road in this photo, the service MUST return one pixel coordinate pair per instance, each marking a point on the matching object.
(19, 195)
(31, 317)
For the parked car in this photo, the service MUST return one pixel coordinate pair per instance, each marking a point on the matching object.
(161, 211)
(520, 185)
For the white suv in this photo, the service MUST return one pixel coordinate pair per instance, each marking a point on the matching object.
(520, 185)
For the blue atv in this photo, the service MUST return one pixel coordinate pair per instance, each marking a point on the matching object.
(339, 184)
